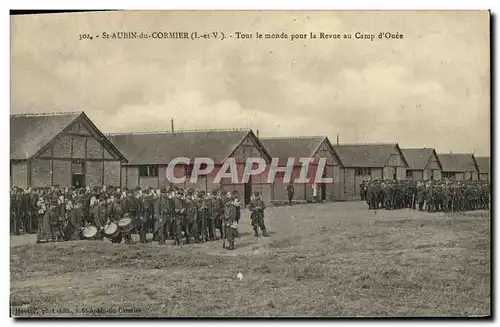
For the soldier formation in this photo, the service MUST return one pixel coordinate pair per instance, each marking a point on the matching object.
(63, 214)
(431, 196)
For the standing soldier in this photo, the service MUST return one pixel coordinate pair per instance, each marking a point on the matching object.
(147, 215)
(130, 207)
(42, 228)
(114, 213)
(159, 217)
(180, 212)
(369, 194)
(218, 205)
(380, 198)
(362, 190)
(429, 197)
(290, 190)
(229, 222)
(446, 201)
(257, 208)
(75, 218)
(201, 218)
(53, 218)
(190, 217)
(210, 203)
(100, 215)
(420, 196)
(388, 195)
(237, 205)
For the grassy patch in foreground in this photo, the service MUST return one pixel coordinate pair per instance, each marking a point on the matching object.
(355, 263)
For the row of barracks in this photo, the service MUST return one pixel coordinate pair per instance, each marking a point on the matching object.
(67, 149)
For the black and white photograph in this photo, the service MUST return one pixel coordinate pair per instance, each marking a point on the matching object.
(247, 164)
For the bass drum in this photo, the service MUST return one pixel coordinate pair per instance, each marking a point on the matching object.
(125, 225)
(89, 232)
(111, 230)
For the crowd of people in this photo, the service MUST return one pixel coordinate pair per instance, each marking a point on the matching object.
(64, 214)
(431, 196)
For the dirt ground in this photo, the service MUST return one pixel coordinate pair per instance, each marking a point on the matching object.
(334, 259)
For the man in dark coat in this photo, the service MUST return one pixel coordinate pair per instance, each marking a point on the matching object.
(290, 190)
(257, 208)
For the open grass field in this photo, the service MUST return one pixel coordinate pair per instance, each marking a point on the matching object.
(334, 259)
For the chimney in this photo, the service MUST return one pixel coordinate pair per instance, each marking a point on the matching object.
(172, 125)
(337, 139)
(257, 133)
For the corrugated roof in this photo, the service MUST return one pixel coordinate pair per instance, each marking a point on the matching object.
(292, 147)
(31, 132)
(156, 148)
(457, 162)
(418, 158)
(483, 163)
(367, 155)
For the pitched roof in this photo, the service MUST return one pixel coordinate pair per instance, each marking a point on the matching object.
(31, 132)
(156, 148)
(418, 158)
(457, 162)
(483, 163)
(367, 155)
(292, 147)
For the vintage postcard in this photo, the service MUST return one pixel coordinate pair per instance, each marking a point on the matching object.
(250, 164)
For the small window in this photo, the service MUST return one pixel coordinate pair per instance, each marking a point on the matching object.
(363, 172)
(148, 171)
(409, 174)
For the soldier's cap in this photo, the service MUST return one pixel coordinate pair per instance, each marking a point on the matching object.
(256, 192)
(235, 192)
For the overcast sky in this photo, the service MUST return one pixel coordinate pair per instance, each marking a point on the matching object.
(429, 89)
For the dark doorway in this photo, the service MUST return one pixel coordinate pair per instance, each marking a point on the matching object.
(78, 173)
(248, 191)
(322, 188)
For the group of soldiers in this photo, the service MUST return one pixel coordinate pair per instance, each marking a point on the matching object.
(431, 196)
(64, 214)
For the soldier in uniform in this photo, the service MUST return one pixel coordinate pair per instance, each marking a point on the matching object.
(237, 205)
(100, 215)
(159, 218)
(388, 195)
(114, 213)
(370, 196)
(54, 219)
(229, 222)
(75, 218)
(219, 212)
(429, 197)
(42, 228)
(14, 208)
(147, 215)
(290, 190)
(180, 212)
(201, 218)
(210, 203)
(257, 208)
(190, 219)
(446, 199)
(130, 208)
